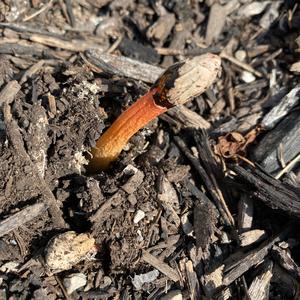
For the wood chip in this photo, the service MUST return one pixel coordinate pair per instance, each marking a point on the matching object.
(269, 190)
(213, 280)
(259, 288)
(133, 182)
(160, 30)
(9, 92)
(217, 18)
(238, 267)
(160, 266)
(245, 213)
(287, 134)
(193, 283)
(285, 260)
(278, 112)
(188, 118)
(72, 45)
(22, 217)
(252, 236)
(124, 66)
(31, 71)
(67, 249)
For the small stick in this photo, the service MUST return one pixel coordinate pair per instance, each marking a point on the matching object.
(115, 45)
(186, 52)
(44, 8)
(31, 71)
(288, 167)
(9, 92)
(241, 64)
(160, 265)
(74, 45)
(123, 66)
(280, 156)
(20, 218)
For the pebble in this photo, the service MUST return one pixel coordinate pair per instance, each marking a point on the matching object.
(140, 215)
(240, 55)
(139, 280)
(247, 77)
(74, 282)
(139, 236)
(187, 227)
(225, 238)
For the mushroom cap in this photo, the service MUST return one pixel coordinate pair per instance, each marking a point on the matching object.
(185, 80)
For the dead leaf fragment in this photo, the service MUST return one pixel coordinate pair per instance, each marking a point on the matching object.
(233, 144)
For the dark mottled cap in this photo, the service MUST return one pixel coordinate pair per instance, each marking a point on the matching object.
(185, 80)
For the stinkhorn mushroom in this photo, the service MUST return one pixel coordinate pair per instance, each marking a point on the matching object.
(180, 83)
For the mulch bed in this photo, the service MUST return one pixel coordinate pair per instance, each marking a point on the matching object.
(204, 201)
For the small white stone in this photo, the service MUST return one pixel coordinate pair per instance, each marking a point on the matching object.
(140, 236)
(139, 280)
(172, 295)
(240, 55)
(13, 242)
(186, 224)
(74, 282)
(247, 77)
(138, 216)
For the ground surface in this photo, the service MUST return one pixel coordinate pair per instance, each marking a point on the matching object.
(215, 223)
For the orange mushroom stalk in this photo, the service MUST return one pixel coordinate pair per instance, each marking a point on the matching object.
(178, 84)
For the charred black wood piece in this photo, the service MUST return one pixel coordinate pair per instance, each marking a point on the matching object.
(272, 192)
(20, 50)
(286, 133)
(284, 259)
